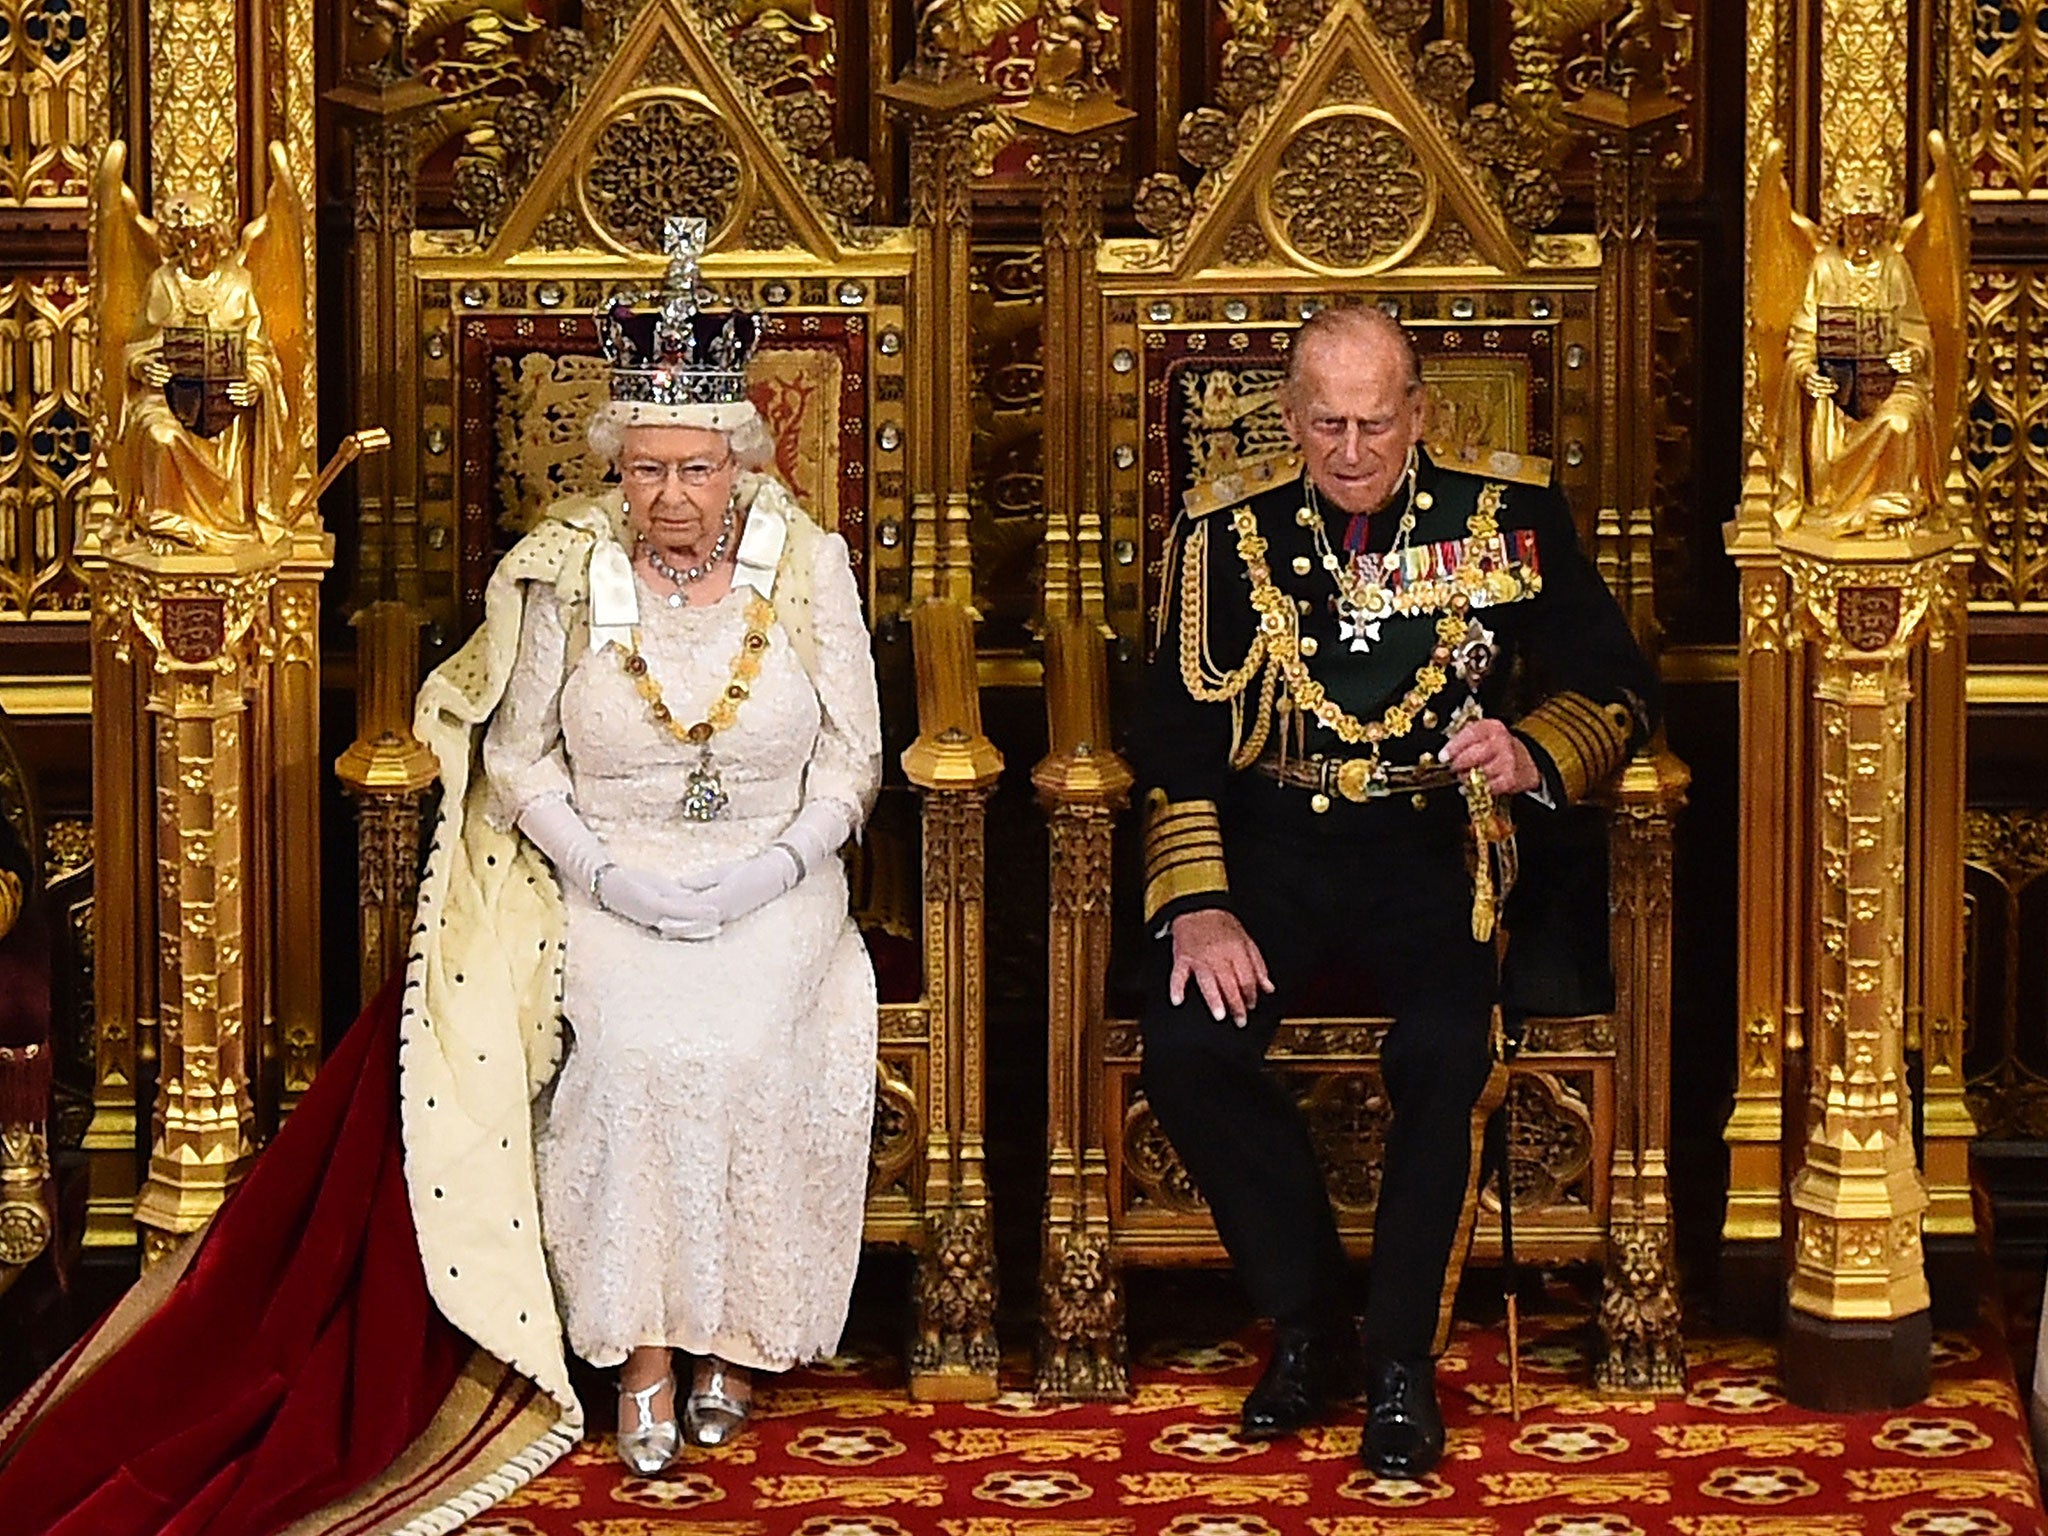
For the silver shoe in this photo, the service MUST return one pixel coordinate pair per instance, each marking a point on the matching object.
(711, 1414)
(651, 1444)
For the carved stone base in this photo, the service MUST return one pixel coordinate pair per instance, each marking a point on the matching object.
(1851, 1367)
(1081, 1343)
(953, 1355)
(1643, 1352)
(1750, 1289)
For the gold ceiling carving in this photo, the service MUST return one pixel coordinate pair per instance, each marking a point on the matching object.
(195, 112)
(45, 143)
(2006, 104)
(570, 136)
(1863, 96)
(2005, 457)
(45, 440)
(600, 172)
(1349, 193)
(1356, 106)
(661, 155)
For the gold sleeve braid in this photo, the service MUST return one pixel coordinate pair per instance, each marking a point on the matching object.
(1183, 851)
(1586, 742)
(10, 900)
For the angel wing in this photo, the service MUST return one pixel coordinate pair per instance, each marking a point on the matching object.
(128, 253)
(1936, 245)
(1782, 245)
(274, 251)
(988, 20)
(1558, 21)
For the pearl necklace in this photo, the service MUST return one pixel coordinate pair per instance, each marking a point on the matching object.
(695, 573)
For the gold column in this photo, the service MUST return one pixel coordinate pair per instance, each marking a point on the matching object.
(123, 916)
(387, 771)
(943, 99)
(195, 70)
(1080, 125)
(206, 681)
(379, 102)
(1934, 1015)
(953, 1356)
(1833, 80)
(1630, 116)
(1081, 784)
(1858, 1198)
(282, 37)
(1768, 814)
(1642, 1348)
(196, 629)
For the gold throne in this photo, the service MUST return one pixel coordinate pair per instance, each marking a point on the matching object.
(502, 383)
(1514, 331)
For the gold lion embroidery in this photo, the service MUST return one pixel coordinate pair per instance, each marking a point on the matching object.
(1871, 1484)
(865, 1492)
(1230, 1490)
(1760, 1440)
(1588, 1490)
(1036, 1447)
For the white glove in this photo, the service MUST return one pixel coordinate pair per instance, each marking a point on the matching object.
(582, 861)
(735, 890)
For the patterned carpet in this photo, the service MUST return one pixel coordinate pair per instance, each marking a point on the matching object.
(839, 1452)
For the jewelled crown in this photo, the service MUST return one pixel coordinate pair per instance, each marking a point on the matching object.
(681, 344)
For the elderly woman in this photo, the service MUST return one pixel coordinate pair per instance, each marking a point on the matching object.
(689, 733)
(625, 1094)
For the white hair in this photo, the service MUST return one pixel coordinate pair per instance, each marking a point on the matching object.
(746, 433)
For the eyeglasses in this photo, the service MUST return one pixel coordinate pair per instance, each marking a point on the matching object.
(694, 473)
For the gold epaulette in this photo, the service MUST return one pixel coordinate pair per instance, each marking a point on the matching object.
(1586, 742)
(1183, 851)
(1241, 484)
(1494, 463)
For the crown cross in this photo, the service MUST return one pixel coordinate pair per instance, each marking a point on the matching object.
(679, 351)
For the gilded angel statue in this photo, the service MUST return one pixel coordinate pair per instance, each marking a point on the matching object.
(1080, 48)
(202, 346)
(1859, 345)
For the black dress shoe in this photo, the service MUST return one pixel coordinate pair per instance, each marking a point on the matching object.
(1404, 1428)
(1302, 1376)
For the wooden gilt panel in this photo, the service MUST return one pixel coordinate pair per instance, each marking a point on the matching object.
(2005, 1003)
(2005, 455)
(1561, 1116)
(45, 442)
(2006, 110)
(44, 150)
(1008, 451)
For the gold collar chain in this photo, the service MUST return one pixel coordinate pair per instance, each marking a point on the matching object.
(1279, 626)
(704, 798)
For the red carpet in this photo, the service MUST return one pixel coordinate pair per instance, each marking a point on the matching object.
(841, 1453)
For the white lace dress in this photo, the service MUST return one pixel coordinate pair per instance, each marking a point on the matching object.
(702, 1155)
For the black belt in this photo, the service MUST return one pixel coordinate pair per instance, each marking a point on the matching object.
(1357, 779)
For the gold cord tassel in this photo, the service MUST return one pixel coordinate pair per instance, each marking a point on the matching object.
(1493, 839)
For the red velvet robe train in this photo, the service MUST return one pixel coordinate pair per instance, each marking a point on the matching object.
(293, 1360)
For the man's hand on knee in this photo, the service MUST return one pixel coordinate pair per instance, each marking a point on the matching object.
(1213, 948)
(1497, 752)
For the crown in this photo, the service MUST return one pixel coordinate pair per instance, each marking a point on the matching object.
(665, 346)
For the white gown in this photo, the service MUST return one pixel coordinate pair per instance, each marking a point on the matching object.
(702, 1154)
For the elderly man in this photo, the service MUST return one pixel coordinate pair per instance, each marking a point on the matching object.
(1346, 640)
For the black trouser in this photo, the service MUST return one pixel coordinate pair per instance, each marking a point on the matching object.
(1395, 899)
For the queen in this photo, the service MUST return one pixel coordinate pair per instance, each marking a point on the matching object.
(672, 703)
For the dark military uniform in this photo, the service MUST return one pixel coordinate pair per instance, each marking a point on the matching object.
(1292, 778)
